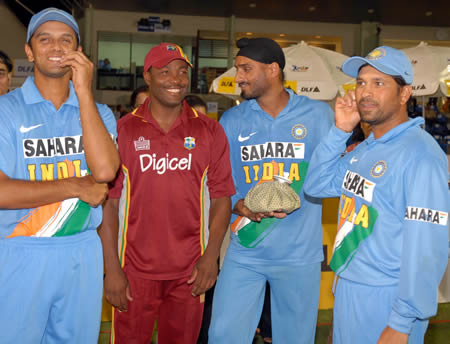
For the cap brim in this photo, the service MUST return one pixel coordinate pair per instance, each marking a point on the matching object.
(54, 16)
(352, 66)
(164, 62)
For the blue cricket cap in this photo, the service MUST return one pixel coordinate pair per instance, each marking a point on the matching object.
(52, 14)
(385, 59)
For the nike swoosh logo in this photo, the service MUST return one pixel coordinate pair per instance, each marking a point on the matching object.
(23, 129)
(352, 160)
(245, 138)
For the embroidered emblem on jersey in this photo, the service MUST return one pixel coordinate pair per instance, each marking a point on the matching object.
(378, 169)
(273, 150)
(376, 54)
(426, 215)
(251, 233)
(359, 186)
(354, 226)
(299, 131)
(141, 144)
(189, 142)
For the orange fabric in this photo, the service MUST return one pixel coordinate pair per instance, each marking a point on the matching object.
(31, 223)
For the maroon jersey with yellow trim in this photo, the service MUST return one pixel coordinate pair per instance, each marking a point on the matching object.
(165, 186)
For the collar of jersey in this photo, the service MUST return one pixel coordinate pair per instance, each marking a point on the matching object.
(399, 129)
(255, 106)
(32, 95)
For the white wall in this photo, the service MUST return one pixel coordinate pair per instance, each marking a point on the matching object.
(184, 26)
(13, 33)
(349, 33)
(187, 26)
(181, 25)
(422, 33)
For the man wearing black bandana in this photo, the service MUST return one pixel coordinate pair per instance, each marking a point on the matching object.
(273, 133)
(255, 57)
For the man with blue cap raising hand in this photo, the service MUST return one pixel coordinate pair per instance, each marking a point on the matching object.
(56, 157)
(391, 247)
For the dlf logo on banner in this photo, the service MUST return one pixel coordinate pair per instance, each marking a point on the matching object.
(23, 68)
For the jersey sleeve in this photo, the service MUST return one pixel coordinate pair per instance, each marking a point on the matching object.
(326, 118)
(108, 120)
(8, 150)
(425, 241)
(115, 187)
(227, 124)
(330, 115)
(327, 168)
(220, 182)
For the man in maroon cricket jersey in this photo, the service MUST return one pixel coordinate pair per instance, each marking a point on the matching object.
(169, 209)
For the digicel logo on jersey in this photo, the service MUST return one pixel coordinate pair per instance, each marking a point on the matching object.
(161, 165)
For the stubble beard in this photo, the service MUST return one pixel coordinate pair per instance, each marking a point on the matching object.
(253, 93)
(56, 75)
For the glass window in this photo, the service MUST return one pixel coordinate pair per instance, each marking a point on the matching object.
(113, 65)
(212, 61)
(121, 57)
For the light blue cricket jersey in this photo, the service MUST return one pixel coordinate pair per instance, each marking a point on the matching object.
(261, 146)
(392, 223)
(38, 142)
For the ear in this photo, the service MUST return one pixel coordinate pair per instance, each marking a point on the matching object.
(405, 94)
(274, 69)
(29, 52)
(80, 48)
(147, 77)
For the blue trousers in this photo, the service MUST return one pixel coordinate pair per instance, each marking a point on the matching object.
(239, 298)
(361, 313)
(51, 289)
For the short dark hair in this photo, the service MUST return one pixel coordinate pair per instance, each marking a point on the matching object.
(135, 93)
(400, 81)
(6, 61)
(193, 101)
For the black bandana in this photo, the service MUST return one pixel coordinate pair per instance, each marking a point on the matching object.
(263, 50)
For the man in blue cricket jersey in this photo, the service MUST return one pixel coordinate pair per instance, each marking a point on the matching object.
(392, 243)
(272, 133)
(56, 157)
